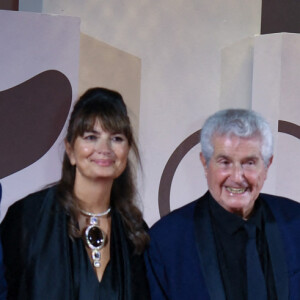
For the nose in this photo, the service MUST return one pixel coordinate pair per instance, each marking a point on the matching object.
(237, 174)
(104, 146)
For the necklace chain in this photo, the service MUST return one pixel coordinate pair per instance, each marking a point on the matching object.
(89, 214)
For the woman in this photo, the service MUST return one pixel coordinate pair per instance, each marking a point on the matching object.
(84, 237)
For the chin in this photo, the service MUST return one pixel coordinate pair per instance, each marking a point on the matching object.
(240, 208)
(237, 204)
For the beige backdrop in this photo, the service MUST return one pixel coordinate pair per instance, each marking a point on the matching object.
(196, 57)
(33, 44)
(105, 66)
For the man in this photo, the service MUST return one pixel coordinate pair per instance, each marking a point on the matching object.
(205, 250)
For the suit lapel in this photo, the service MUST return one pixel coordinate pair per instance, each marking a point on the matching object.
(277, 254)
(207, 250)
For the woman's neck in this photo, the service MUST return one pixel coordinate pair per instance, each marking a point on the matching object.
(93, 196)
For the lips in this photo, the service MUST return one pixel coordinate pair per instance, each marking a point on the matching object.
(233, 190)
(104, 162)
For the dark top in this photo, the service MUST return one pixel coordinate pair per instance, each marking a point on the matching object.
(231, 239)
(3, 285)
(42, 262)
(89, 286)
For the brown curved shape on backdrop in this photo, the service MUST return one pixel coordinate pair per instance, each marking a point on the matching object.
(289, 128)
(32, 116)
(169, 171)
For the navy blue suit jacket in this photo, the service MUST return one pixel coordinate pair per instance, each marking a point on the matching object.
(182, 260)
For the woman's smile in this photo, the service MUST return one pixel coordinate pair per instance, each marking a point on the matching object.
(99, 154)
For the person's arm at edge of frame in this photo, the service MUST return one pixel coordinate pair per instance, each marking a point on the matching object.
(3, 284)
(155, 271)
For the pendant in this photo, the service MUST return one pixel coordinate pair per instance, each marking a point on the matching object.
(96, 256)
(95, 239)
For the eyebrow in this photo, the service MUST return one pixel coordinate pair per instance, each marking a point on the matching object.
(92, 131)
(253, 157)
(223, 156)
(99, 132)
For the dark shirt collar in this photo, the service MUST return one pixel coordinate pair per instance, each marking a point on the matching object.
(231, 223)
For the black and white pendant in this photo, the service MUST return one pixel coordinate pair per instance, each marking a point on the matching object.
(94, 237)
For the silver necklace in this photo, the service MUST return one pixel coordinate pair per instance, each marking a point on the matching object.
(94, 236)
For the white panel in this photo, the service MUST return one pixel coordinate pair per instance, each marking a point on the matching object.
(236, 74)
(30, 44)
(276, 94)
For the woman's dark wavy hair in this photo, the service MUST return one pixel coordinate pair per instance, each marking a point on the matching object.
(107, 107)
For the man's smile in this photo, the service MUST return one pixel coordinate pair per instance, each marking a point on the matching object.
(233, 190)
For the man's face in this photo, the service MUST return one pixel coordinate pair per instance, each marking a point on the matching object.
(236, 172)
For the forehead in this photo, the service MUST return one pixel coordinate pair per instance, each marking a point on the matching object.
(231, 145)
(96, 123)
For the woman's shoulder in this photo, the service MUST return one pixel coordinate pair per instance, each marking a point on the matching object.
(34, 200)
(29, 206)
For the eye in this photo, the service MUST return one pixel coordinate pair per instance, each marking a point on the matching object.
(89, 137)
(224, 162)
(250, 163)
(118, 138)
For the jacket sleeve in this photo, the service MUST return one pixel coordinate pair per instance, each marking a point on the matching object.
(3, 285)
(155, 272)
(15, 232)
(12, 255)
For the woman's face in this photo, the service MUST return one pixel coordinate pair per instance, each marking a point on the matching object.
(99, 154)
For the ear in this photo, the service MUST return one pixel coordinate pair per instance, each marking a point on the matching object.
(70, 153)
(204, 164)
(270, 161)
(267, 167)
